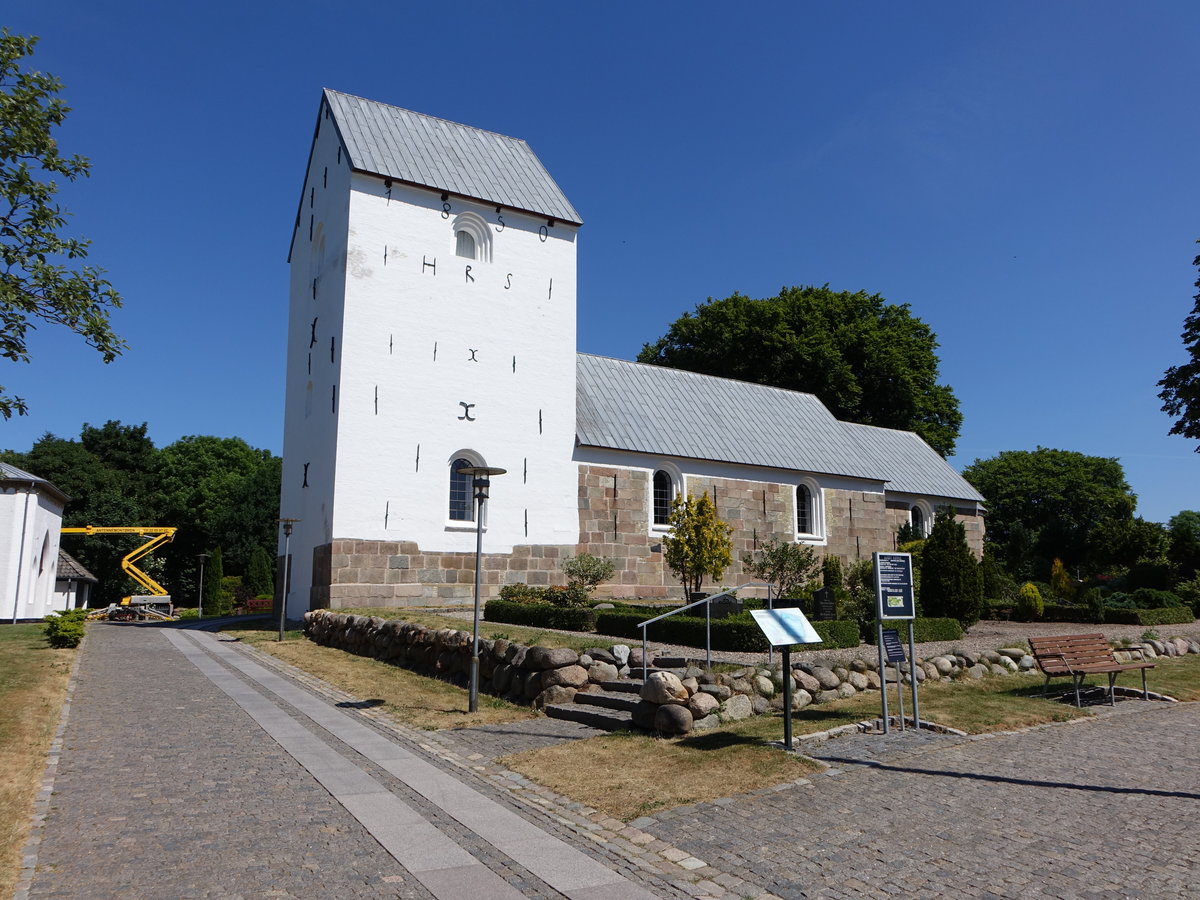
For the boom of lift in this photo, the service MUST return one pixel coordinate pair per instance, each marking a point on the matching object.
(155, 594)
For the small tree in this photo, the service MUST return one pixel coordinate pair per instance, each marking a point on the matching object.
(215, 602)
(587, 571)
(1060, 582)
(260, 578)
(860, 595)
(950, 580)
(786, 566)
(698, 544)
(1029, 603)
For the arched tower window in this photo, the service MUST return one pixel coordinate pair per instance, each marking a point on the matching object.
(804, 511)
(916, 517)
(472, 237)
(664, 496)
(810, 512)
(462, 504)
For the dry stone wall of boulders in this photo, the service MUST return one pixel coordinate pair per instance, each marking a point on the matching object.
(673, 702)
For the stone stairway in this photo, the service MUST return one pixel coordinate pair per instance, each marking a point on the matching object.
(609, 705)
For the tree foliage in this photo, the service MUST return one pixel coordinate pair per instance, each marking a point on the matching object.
(260, 574)
(216, 491)
(1045, 503)
(868, 361)
(588, 571)
(1181, 384)
(1183, 532)
(698, 544)
(216, 599)
(785, 565)
(951, 583)
(41, 278)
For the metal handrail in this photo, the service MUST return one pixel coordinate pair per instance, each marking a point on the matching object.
(707, 601)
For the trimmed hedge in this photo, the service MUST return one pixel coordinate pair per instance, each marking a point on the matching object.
(1114, 615)
(540, 615)
(925, 630)
(737, 633)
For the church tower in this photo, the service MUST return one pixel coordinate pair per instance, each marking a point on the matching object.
(431, 321)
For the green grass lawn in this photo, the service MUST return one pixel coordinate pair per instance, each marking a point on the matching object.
(522, 634)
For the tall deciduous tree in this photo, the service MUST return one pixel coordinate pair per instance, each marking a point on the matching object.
(869, 361)
(1181, 384)
(698, 544)
(40, 277)
(1045, 503)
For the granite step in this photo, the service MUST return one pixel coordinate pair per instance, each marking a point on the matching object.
(621, 701)
(595, 716)
(625, 685)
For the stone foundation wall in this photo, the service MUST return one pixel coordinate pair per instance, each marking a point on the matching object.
(614, 521)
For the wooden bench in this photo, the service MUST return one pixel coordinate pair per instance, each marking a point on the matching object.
(1079, 655)
(259, 605)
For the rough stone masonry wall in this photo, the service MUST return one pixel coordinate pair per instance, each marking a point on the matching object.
(614, 521)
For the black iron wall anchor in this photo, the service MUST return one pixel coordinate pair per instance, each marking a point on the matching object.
(467, 407)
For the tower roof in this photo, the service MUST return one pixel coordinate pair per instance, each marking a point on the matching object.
(446, 156)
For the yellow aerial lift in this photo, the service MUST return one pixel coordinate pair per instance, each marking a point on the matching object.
(156, 603)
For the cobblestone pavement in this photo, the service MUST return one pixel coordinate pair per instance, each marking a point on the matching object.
(167, 788)
(1101, 808)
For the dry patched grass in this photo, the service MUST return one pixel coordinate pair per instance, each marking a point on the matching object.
(413, 699)
(33, 683)
(522, 634)
(628, 775)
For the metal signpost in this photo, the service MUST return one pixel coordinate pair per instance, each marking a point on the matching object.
(894, 601)
(783, 628)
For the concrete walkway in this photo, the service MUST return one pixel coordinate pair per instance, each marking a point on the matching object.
(195, 767)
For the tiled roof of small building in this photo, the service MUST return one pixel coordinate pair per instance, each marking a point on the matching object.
(446, 156)
(69, 567)
(669, 412)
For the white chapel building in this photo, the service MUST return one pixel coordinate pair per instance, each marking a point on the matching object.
(432, 322)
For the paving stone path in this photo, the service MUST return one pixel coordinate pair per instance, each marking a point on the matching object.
(192, 766)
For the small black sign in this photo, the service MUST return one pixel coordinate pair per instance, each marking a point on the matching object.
(892, 647)
(824, 607)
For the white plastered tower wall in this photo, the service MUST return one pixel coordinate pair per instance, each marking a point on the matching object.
(316, 306)
(30, 525)
(403, 356)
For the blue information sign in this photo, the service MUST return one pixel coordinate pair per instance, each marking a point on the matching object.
(894, 586)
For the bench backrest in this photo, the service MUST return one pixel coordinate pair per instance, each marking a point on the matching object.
(1070, 651)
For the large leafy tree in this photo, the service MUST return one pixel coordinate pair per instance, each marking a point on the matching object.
(1181, 384)
(1183, 531)
(868, 360)
(41, 278)
(1048, 503)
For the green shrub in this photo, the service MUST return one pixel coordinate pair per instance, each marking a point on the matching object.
(540, 615)
(1054, 612)
(65, 628)
(521, 593)
(1189, 592)
(1029, 606)
(785, 565)
(926, 630)
(737, 633)
(1093, 602)
(587, 571)
(1149, 598)
(1167, 615)
(951, 583)
(187, 613)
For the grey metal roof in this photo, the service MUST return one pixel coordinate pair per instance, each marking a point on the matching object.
(435, 153)
(70, 568)
(911, 465)
(669, 412)
(12, 473)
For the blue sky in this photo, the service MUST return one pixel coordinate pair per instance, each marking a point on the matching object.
(1023, 174)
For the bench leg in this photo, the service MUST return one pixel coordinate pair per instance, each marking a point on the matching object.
(1145, 691)
(1077, 679)
(1112, 693)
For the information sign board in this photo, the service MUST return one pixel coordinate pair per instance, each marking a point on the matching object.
(894, 586)
(784, 627)
(892, 648)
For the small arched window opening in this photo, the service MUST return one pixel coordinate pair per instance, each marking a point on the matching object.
(916, 517)
(664, 497)
(465, 246)
(462, 506)
(804, 510)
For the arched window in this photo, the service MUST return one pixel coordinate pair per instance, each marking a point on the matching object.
(804, 510)
(462, 504)
(465, 246)
(664, 496)
(916, 517)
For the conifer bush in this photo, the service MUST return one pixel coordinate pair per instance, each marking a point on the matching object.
(65, 628)
(951, 586)
(1030, 605)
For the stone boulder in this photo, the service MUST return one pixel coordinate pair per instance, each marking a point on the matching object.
(826, 679)
(568, 676)
(664, 687)
(807, 682)
(672, 720)
(763, 686)
(736, 708)
(542, 658)
(598, 654)
(643, 714)
(702, 704)
(620, 654)
(720, 692)
(555, 695)
(600, 672)
(1013, 653)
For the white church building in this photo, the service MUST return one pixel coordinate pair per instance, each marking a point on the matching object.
(432, 321)
(31, 511)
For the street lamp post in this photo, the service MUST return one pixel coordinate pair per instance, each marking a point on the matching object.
(203, 558)
(480, 480)
(287, 556)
